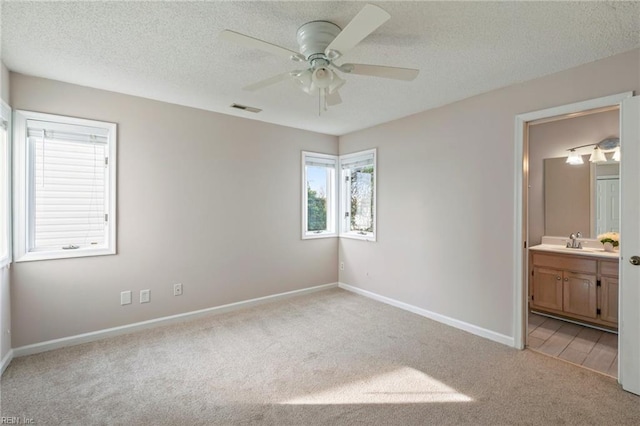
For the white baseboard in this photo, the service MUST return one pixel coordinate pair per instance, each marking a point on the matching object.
(129, 328)
(6, 361)
(473, 329)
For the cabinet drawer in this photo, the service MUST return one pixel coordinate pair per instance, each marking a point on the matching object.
(609, 268)
(572, 263)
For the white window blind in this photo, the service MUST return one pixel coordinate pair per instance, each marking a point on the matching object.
(358, 162)
(68, 187)
(64, 186)
(320, 162)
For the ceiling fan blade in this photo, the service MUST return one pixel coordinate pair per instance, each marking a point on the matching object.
(268, 82)
(363, 24)
(255, 43)
(333, 98)
(406, 74)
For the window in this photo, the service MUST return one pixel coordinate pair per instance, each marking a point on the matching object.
(5, 185)
(358, 195)
(318, 195)
(64, 186)
(356, 192)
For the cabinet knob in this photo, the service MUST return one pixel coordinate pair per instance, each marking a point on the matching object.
(635, 260)
(558, 277)
(566, 279)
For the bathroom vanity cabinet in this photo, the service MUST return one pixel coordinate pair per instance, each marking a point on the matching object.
(609, 292)
(575, 286)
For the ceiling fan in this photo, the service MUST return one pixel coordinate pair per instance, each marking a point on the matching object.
(321, 44)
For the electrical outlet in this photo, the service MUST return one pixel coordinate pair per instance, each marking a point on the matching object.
(125, 297)
(177, 289)
(145, 296)
(342, 266)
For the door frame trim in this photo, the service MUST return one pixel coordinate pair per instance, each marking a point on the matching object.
(520, 283)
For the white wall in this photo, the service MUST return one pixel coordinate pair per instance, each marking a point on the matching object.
(446, 196)
(5, 295)
(445, 208)
(4, 83)
(5, 313)
(205, 199)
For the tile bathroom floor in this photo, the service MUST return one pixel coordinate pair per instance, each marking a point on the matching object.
(588, 347)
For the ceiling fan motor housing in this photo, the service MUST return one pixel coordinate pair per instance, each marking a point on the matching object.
(314, 37)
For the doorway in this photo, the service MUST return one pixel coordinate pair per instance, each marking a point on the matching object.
(523, 121)
(565, 319)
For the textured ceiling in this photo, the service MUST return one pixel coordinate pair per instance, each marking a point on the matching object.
(170, 51)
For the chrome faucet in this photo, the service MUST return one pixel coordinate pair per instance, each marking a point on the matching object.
(574, 241)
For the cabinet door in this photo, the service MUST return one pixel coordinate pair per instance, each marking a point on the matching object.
(547, 288)
(580, 296)
(609, 299)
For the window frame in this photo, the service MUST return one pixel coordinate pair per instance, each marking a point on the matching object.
(5, 115)
(23, 198)
(345, 203)
(332, 198)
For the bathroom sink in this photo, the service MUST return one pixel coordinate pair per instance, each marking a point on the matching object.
(584, 251)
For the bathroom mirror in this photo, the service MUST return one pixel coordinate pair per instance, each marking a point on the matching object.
(561, 198)
(582, 197)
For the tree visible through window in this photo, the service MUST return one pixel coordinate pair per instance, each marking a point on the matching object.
(317, 210)
(319, 172)
(339, 195)
(362, 200)
(358, 193)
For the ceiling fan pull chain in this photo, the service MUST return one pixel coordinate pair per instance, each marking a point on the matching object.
(324, 98)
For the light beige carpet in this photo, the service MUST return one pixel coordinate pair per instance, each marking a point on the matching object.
(331, 358)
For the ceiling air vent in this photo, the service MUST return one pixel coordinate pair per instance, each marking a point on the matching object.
(246, 108)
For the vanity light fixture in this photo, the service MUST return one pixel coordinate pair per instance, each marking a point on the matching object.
(574, 158)
(597, 156)
(598, 153)
(616, 154)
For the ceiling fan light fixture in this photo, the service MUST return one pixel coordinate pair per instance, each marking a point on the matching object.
(304, 81)
(322, 77)
(336, 83)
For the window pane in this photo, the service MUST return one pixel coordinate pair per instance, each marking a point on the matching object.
(318, 179)
(318, 195)
(4, 194)
(361, 199)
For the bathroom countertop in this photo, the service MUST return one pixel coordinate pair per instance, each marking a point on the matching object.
(592, 252)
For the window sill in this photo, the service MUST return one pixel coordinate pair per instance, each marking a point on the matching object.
(316, 236)
(354, 236)
(64, 254)
(5, 262)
